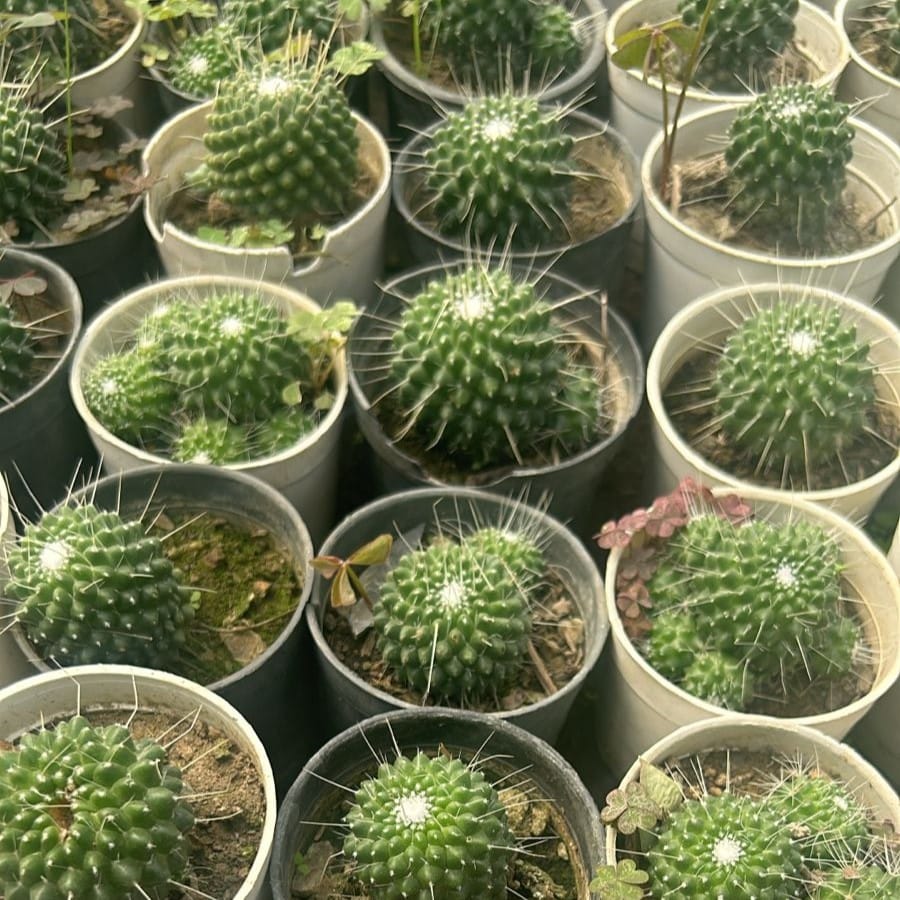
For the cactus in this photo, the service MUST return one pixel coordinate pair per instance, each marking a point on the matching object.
(492, 40)
(204, 59)
(893, 21)
(724, 846)
(672, 644)
(271, 22)
(454, 618)
(793, 386)
(824, 818)
(92, 587)
(787, 158)
(740, 37)
(90, 812)
(501, 168)
(211, 442)
(33, 165)
(764, 596)
(16, 355)
(429, 829)
(281, 430)
(484, 373)
(127, 393)
(857, 883)
(281, 144)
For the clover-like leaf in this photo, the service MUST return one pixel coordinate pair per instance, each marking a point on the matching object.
(623, 881)
(631, 809)
(356, 59)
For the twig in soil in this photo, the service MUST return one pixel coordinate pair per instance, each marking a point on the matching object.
(877, 214)
(249, 625)
(541, 670)
(215, 747)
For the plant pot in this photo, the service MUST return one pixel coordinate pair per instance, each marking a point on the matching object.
(636, 101)
(43, 442)
(416, 101)
(642, 707)
(597, 262)
(350, 698)
(354, 753)
(349, 261)
(783, 740)
(707, 322)
(568, 485)
(876, 93)
(43, 698)
(278, 674)
(682, 263)
(306, 473)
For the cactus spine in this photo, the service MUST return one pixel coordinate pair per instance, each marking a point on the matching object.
(429, 828)
(90, 812)
(16, 355)
(787, 159)
(93, 587)
(269, 23)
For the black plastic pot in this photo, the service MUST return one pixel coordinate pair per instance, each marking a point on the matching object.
(43, 442)
(596, 262)
(348, 698)
(355, 753)
(568, 485)
(272, 692)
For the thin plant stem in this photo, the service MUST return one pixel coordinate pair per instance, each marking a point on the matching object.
(417, 38)
(70, 150)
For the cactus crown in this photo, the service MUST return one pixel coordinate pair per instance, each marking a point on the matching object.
(281, 144)
(33, 165)
(740, 37)
(90, 812)
(429, 828)
(204, 59)
(762, 604)
(16, 355)
(217, 378)
(794, 386)
(92, 587)
(485, 42)
(485, 373)
(787, 160)
(454, 618)
(500, 169)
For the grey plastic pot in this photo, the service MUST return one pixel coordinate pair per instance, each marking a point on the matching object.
(415, 101)
(596, 262)
(570, 484)
(31, 703)
(502, 747)
(43, 442)
(349, 698)
(285, 721)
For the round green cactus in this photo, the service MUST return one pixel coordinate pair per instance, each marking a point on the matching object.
(500, 168)
(454, 618)
(128, 394)
(857, 882)
(824, 818)
(211, 442)
(16, 355)
(33, 165)
(484, 373)
(94, 588)
(787, 157)
(672, 644)
(740, 37)
(271, 22)
(228, 353)
(725, 846)
(204, 59)
(763, 595)
(90, 812)
(429, 828)
(793, 386)
(281, 144)
(555, 45)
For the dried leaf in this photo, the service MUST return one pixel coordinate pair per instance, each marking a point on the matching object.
(244, 646)
(374, 552)
(79, 189)
(661, 788)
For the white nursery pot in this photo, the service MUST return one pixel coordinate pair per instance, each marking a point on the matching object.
(347, 265)
(876, 91)
(636, 102)
(305, 473)
(708, 321)
(783, 740)
(682, 263)
(641, 707)
(43, 698)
